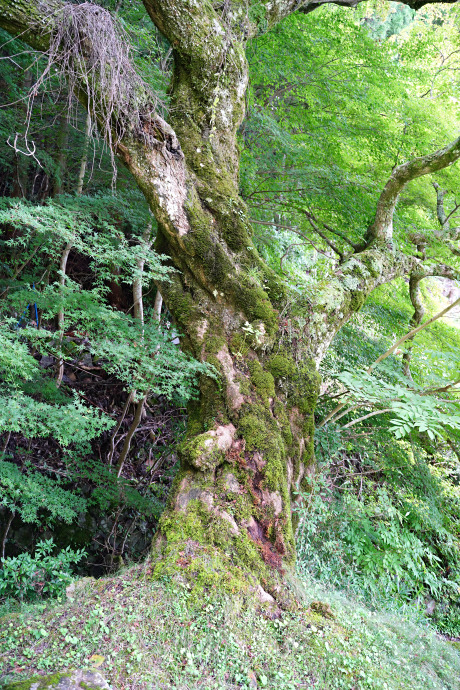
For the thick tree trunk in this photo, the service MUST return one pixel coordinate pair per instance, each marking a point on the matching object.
(250, 435)
(249, 447)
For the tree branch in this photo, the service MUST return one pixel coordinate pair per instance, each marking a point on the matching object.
(440, 212)
(412, 333)
(366, 416)
(342, 235)
(421, 272)
(319, 232)
(442, 389)
(382, 227)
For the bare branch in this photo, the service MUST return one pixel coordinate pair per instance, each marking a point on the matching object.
(117, 427)
(29, 151)
(311, 219)
(442, 389)
(346, 239)
(5, 533)
(412, 333)
(130, 434)
(272, 224)
(382, 227)
(366, 416)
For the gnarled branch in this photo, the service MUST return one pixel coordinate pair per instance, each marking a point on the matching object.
(382, 227)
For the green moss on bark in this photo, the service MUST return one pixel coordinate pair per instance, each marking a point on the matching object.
(300, 380)
(279, 410)
(262, 434)
(209, 409)
(238, 344)
(256, 304)
(204, 547)
(262, 381)
(201, 452)
(357, 300)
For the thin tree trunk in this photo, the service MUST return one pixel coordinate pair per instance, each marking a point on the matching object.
(132, 430)
(419, 311)
(60, 316)
(66, 252)
(157, 306)
(139, 315)
(118, 426)
(84, 158)
(7, 440)
(61, 162)
(5, 534)
(137, 283)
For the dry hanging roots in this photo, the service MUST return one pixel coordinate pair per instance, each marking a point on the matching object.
(89, 51)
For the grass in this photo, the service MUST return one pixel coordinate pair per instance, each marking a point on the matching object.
(147, 634)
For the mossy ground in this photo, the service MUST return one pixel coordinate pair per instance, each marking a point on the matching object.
(151, 636)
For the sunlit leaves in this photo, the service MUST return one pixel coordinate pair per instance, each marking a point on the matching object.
(333, 108)
(408, 409)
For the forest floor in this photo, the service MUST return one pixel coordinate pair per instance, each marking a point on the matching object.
(155, 635)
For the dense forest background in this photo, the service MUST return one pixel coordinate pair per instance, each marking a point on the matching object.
(93, 384)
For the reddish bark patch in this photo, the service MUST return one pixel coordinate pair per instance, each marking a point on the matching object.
(270, 557)
(234, 454)
(257, 532)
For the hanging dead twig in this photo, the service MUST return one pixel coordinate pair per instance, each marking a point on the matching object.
(89, 52)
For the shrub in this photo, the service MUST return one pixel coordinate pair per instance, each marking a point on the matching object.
(29, 577)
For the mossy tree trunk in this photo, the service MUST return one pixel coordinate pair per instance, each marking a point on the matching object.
(249, 445)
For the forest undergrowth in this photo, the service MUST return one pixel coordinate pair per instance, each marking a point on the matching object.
(363, 585)
(145, 634)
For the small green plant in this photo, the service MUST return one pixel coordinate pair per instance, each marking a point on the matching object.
(29, 577)
(447, 620)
